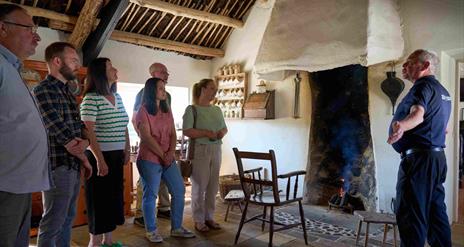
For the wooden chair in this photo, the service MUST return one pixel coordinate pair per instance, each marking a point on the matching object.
(266, 193)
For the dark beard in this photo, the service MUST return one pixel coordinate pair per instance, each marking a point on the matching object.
(67, 73)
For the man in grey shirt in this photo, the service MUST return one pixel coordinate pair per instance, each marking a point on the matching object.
(23, 139)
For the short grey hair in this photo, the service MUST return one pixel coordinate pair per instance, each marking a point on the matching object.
(430, 56)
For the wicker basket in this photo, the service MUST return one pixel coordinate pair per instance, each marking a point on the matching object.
(228, 183)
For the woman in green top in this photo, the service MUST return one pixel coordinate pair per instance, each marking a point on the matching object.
(209, 130)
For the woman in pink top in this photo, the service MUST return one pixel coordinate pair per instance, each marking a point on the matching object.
(155, 160)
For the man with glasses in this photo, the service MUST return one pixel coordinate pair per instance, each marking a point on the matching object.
(23, 138)
(156, 70)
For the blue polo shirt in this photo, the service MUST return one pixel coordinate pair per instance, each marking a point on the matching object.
(430, 94)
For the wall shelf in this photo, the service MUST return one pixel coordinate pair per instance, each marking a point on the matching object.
(232, 91)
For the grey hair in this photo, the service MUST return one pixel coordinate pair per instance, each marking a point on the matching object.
(431, 57)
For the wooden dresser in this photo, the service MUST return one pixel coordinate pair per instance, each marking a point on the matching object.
(33, 72)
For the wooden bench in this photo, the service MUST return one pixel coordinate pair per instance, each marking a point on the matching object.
(376, 218)
(232, 198)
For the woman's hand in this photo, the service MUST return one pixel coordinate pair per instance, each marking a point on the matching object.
(102, 168)
(211, 134)
(168, 158)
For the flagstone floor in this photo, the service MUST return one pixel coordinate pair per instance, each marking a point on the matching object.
(325, 229)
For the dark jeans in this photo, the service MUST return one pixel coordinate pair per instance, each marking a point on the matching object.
(15, 219)
(420, 209)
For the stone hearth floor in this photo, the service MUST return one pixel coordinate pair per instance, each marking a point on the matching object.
(325, 229)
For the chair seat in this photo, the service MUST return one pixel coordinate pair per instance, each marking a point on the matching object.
(234, 195)
(267, 198)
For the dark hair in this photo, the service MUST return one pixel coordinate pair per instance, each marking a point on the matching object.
(56, 49)
(97, 81)
(196, 92)
(149, 97)
(6, 9)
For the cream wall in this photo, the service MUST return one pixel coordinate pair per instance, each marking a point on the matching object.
(433, 25)
(288, 137)
(430, 24)
(132, 61)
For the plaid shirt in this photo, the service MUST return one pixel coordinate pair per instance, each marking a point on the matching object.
(61, 117)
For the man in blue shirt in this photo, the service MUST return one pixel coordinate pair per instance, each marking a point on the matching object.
(23, 139)
(418, 132)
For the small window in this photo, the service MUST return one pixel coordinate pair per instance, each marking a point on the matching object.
(179, 101)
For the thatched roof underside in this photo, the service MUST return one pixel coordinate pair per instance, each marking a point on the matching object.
(153, 24)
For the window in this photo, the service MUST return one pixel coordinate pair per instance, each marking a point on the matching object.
(179, 101)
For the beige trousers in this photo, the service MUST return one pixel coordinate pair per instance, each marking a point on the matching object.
(164, 204)
(205, 180)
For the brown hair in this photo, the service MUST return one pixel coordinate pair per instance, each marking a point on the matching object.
(196, 92)
(56, 50)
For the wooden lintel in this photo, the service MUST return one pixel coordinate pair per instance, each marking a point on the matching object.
(59, 25)
(189, 13)
(139, 39)
(85, 22)
(52, 15)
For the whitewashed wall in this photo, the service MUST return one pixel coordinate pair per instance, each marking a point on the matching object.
(289, 137)
(133, 61)
(433, 25)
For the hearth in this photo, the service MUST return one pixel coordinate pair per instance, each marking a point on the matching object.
(340, 140)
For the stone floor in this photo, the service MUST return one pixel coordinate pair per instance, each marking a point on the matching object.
(325, 229)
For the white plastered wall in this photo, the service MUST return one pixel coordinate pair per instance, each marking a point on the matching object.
(132, 61)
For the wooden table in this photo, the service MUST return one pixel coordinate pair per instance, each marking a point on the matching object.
(376, 218)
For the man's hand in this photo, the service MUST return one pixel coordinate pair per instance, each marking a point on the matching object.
(87, 168)
(102, 168)
(76, 146)
(397, 133)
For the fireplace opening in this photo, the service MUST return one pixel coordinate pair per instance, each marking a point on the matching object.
(341, 150)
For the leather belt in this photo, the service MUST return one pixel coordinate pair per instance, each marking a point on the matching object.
(419, 150)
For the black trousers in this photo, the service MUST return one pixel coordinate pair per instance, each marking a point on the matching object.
(420, 209)
(105, 195)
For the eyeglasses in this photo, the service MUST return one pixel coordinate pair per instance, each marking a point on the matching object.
(33, 29)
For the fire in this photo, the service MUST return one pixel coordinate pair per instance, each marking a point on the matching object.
(341, 191)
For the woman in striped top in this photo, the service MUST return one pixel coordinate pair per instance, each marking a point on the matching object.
(106, 119)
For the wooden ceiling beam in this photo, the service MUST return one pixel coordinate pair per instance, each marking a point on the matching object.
(66, 23)
(110, 16)
(139, 39)
(52, 15)
(189, 13)
(85, 22)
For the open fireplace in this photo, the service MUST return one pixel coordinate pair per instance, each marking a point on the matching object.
(342, 169)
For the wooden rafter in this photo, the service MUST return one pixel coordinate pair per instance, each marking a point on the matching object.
(85, 22)
(189, 13)
(110, 15)
(67, 23)
(166, 44)
(52, 15)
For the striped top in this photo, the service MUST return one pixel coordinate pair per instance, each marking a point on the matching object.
(110, 120)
